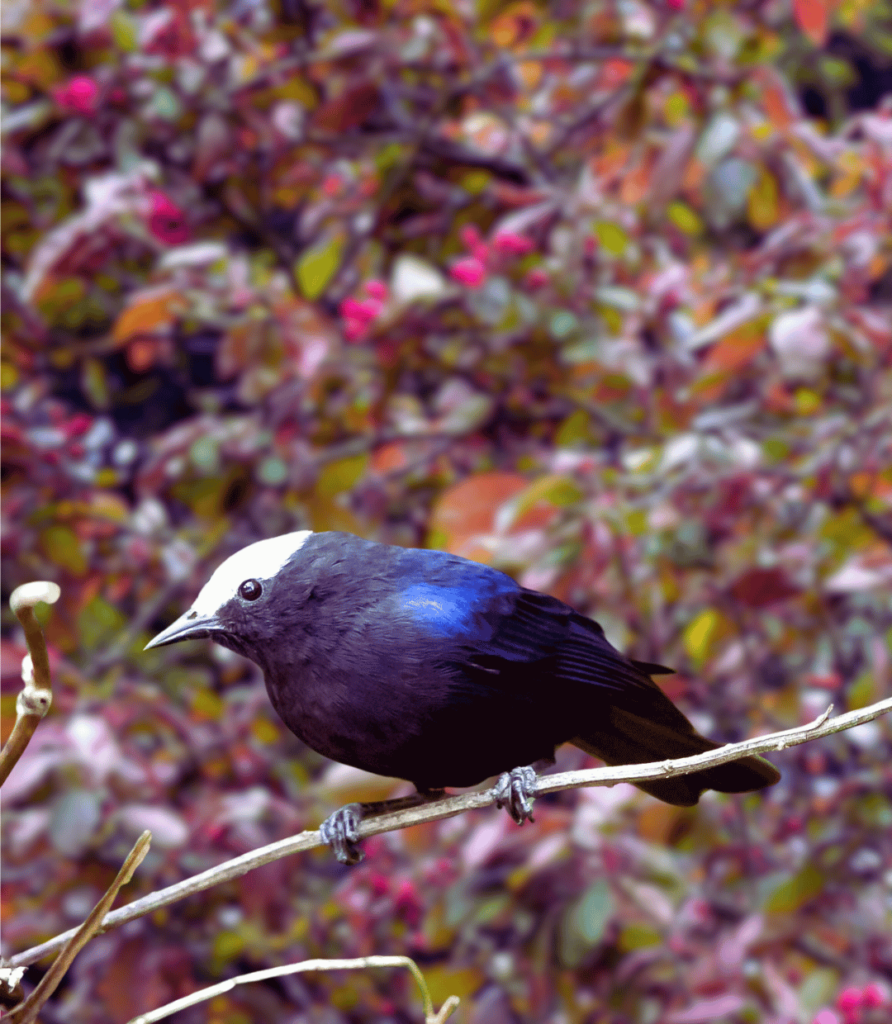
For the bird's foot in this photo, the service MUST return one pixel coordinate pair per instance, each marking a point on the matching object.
(516, 790)
(340, 831)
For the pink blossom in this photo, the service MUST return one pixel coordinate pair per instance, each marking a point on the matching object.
(359, 314)
(376, 289)
(700, 910)
(80, 94)
(469, 271)
(406, 893)
(849, 999)
(536, 278)
(872, 995)
(407, 902)
(470, 236)
(473, 242)
(358, 309)
(826, 1017)
(354, 330)
(167, 222)
(79, 424)
(380, 883)
(512, 244)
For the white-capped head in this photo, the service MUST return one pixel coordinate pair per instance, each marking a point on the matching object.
(258, 561)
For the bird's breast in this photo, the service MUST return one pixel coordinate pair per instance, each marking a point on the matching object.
(357, 718)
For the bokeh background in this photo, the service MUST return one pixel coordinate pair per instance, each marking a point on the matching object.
(597, 292)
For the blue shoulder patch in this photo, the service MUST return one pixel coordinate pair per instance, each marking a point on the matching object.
(446, 610)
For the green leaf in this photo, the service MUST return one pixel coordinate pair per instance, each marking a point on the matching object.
(317, 266)
(553, 488)
(124, 31)
(340, 476)
(639, 936)
(95, 383)
(563, 324)
(700, 635)
(165, 104)
(62, 547)
(576, 429)
(611, 237)
(99, 624)
(272, 471)
(684, 218)
(795, 892)
(226, 947)
(583, 924)
(75, 818)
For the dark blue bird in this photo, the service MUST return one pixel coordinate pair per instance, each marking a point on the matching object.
(428, 667)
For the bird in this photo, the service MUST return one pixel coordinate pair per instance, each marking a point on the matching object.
(426, 666)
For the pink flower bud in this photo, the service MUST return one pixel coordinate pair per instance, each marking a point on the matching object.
(79, 424)
(167, 222)
(470, 236)
(354, 330)
(80, 94)
(357, 309)
(849, 999)
(512, 244)
(469, 271)
(872, 995)
(826, 1016)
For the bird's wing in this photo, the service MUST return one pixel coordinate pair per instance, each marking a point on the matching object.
(537, 633)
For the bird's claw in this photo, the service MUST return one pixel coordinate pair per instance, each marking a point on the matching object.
(516, 790)
(340, 831)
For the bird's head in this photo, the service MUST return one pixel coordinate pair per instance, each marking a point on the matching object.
(234, 607)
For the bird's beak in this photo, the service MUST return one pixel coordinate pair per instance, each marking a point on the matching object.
(189, 626)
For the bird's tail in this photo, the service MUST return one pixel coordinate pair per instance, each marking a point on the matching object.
(651, 728)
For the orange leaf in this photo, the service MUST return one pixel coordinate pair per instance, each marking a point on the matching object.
(151, 313)
(469, 509)
(141, 354)
(813, 17)
(614, 73)
(735, 351)
(389, 458)
(514, 24)
(775, 98)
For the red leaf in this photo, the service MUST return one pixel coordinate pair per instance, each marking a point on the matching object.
(348, 110)
(759, 588)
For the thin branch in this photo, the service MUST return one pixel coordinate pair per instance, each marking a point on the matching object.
(26, 1012)
(450, 806)
(37, 694)
(359, 963)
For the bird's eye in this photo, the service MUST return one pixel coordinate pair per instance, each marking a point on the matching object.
(250, 590)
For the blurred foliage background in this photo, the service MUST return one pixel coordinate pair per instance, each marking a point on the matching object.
(598, 292)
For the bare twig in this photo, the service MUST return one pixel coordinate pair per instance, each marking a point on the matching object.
(11, 993)
(37, 694)
(450, 806)
(359, 963)
(27, 1011)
